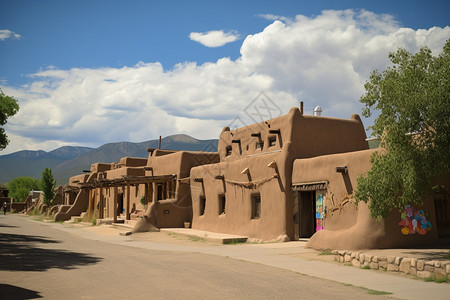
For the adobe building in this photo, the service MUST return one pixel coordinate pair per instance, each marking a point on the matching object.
(76, 194)
(150, 193)
(249, 191)
(294, 176)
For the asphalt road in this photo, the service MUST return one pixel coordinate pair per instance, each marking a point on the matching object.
(39, 260)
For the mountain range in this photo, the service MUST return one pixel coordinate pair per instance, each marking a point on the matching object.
(68, 161)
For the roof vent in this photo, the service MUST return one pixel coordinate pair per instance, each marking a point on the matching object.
(317, 111)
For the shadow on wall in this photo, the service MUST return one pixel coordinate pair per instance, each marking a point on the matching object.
(14, 292)
(21, 253)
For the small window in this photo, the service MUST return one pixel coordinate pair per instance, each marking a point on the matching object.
(228, 151)
(259, 145)
(202, 205)
(272, 141)
(222, 201)
(256, 206)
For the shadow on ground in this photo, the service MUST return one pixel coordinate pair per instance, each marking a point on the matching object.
(17, 293)
(21, 253)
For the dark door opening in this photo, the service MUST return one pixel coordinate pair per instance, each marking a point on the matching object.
(119, 204)
(307, 213)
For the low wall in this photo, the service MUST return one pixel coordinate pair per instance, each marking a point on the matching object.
(421, 268)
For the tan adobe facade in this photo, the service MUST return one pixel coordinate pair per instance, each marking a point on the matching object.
(249, 191)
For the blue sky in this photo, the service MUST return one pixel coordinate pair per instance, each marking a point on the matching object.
(92, 72)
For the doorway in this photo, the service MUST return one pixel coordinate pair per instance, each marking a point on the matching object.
(307, 213)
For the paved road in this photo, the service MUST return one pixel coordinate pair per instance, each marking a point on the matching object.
(55, 261)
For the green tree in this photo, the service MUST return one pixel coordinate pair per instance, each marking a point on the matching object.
(20, 187)
(413, 98)
(8, 107)
(48, 185)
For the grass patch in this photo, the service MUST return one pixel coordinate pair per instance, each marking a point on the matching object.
(235, 242)
(196, 239)
(437, 280)
(366, 267)
(325, 252)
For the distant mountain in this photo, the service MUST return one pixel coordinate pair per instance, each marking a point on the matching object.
(32, 163)
(69, 161)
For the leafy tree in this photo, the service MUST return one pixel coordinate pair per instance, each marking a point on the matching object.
(48, 185)
(20, 187)
(413, 97)
(8, 108)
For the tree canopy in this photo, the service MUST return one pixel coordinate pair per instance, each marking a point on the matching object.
(48, 185)
(20, 187)
(8, 107)
(413, 100)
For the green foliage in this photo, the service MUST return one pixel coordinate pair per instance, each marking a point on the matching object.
(48, 185)
(413, 98)
(8, 107)
(20, 187)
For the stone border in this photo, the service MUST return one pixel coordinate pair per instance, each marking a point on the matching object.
(410, 266)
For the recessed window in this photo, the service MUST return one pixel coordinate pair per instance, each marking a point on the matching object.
(202, 205)
(256, 206)
(272, 141)
(259, 145)
(228, 151)
(222, 201)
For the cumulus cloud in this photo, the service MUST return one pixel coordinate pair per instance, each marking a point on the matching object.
(8, 34)
(214, 38)
(322, 60)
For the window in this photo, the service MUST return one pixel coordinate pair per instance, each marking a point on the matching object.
(222, 202)
(256, 206)
(202, 203)
(272, 141)
(228, 151)
(259, 145)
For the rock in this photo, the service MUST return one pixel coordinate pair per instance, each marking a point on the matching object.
(362, 257)
(357, 255)
(347, 258)
(423, 274)
(335, 252)
(383, 264)
(356, 263)
(368, 258)
(420, 265)
(413, 271)
(392, 267)
(341, 259)
(382, 258)
(437, 264)
(398, 260)
(353, 255)
(429, 268)
(373, 265)
(405, 265)
(440, 273)
(447, 269)
(429, 263)
(375, 259)
(341, 252)
(390, 259)
(413, 262)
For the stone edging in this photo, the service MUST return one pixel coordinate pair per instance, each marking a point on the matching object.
(410, 266)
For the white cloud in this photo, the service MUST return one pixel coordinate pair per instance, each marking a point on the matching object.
(214, 38)
(272, 17)
(323, 60)
(8, 34)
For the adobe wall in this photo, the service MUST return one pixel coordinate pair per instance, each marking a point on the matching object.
(100, 167)
(74, 180)
(133, 161)
(237, 218)
(345, 225)
(176, 209)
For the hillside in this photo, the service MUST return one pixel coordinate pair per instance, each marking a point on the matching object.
(69, 161)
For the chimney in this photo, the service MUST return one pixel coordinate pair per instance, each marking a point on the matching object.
(301, 107)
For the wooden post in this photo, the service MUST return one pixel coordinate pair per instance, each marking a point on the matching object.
(115, 205)
(128, 202)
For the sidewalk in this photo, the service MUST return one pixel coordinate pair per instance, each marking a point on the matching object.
(289, 256)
